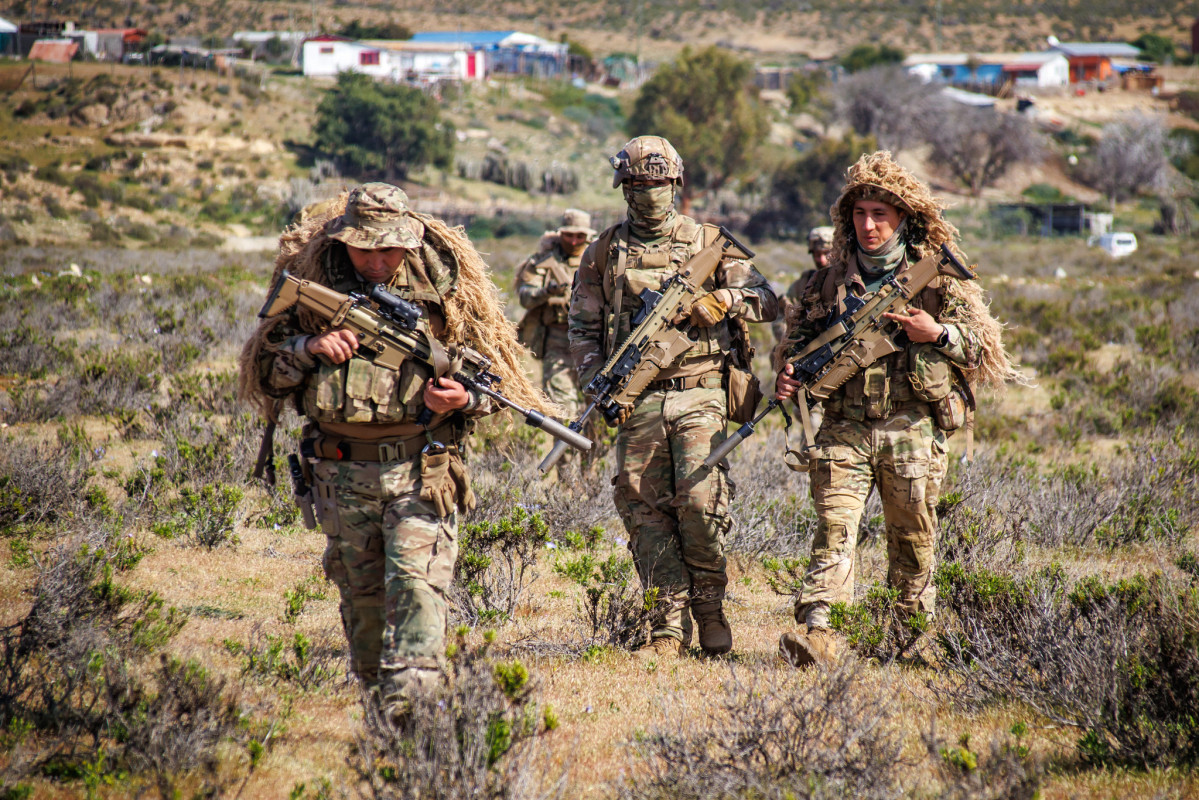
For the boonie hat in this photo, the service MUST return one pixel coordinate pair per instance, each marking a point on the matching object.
(576, 221)
(376, 217)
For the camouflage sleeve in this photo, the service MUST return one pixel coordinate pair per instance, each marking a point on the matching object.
(753, 298)
(284, 364)
(585, 320)
(530, 288)
(965, 348)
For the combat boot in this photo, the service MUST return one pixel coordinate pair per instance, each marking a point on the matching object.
(818, 645)
(661, 648)
(715, 635)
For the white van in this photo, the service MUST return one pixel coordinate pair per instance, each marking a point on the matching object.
(1118, 243)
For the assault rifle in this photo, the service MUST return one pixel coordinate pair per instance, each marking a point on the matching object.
(855, 339)
(656, 341)
(388, 335)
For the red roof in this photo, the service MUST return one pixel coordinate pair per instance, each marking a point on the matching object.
(55, 51)
(328, 37)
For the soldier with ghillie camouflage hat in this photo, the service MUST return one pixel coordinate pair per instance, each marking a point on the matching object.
(385, 450)
(675, 510)
(888, 425)
(543, 284)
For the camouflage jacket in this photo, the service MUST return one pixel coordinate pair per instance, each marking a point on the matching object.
(645, 268)
(922, 372)
(543, 284)
(357, 391)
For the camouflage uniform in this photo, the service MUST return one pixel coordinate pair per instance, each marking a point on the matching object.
(388, 504)
(881, 427)
(543, 287)
(675, 511)
(820, 240)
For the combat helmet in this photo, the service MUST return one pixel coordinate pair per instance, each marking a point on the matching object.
(647, 157)
(877, 176)
(820, 238)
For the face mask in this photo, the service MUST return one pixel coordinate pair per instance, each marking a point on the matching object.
(649, 206)
(575, 249)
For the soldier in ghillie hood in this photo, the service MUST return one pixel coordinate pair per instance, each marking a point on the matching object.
(385, 450)
(888, 424)
(543, 284)
(674, 508)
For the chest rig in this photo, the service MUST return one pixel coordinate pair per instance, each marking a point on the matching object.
(358, 391)
(918, 374)
(630, 266)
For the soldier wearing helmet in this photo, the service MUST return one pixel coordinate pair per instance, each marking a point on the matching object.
(888, 425)
(676, 512)
(543, 285)
(820, 244)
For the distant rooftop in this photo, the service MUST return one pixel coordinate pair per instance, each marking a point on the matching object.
(1109, 49)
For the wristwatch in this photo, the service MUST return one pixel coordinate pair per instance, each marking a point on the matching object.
(943, 339)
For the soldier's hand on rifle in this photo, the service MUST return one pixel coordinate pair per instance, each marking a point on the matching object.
(443, 395)
(622, 416)
(337, 345)
(557, 289)
(918, 324)
(709, 309)
(786, 386)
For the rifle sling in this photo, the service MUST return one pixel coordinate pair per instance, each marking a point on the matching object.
(622, 255)
(264, 467)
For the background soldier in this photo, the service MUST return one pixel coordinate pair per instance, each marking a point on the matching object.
(889, 423)
(543, 286)
(676, 512)
(388, 489)
(820, 245)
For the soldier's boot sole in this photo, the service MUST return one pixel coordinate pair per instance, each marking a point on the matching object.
(795, 649)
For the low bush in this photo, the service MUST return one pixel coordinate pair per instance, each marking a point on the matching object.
(475, 737)
(497, 561)
(88, 693)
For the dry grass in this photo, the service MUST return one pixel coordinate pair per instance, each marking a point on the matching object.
(616, 715)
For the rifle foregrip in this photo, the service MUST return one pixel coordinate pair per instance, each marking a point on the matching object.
(548, 462)
(728, 446)
(559, 431)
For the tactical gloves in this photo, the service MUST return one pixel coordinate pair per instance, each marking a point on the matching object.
(622, 416)
(708, 310)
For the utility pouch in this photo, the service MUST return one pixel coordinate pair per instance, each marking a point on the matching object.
(461, 478)
(950, 411)
(929, 372)
(436, 485)
(744, 392)
(876, 380)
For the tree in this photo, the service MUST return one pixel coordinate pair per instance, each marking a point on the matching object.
(387, 30)
(1132, 155)
(866, 56)
(801, 193)
(706, 106)
(979, 145)
(1155, 47)
(385, 129)
(806, 89)
(888, 104)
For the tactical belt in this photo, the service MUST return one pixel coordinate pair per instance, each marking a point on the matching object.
(380, 451)
(711, 380)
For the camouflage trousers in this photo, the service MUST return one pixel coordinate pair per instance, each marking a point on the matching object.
(675, 510)
(905, 455)
(392, 559)
(558, 377)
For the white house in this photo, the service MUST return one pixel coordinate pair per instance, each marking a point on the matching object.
(325, 56)
(431, 61)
